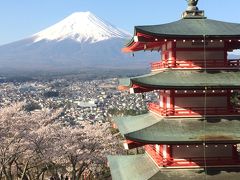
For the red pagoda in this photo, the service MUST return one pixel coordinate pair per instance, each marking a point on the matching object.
(193, 130)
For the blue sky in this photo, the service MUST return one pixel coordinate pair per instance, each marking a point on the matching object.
(22, 18)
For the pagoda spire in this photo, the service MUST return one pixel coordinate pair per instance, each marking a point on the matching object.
(192, 11)
(192, 5)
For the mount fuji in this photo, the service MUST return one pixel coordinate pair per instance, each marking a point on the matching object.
(81, 40)
(81, 27)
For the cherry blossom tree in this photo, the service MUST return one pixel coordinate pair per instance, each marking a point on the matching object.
(20, 139)
(33, 143)
(81, 148)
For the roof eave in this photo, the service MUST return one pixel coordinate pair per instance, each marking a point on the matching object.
(185, 142)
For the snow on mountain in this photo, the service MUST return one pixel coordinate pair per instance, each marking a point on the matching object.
(80, 41)
(82, 27)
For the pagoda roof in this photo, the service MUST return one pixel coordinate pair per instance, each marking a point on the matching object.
(153, 129)
(184, 79)
(141, 167)
(198, 28)
(192, 28)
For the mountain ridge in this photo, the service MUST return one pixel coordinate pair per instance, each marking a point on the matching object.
(81, 26)
(81, 40)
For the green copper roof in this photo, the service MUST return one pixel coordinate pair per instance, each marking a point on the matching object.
(188, 79)
(134, 123)
(137, 167)
(179, 130)
(141, 167)
(191, 28)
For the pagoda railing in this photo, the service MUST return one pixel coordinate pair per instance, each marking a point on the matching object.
(193, 161)
(192, 111)
(157, 66)
(216, 63)
(151, 150)
(199, 161)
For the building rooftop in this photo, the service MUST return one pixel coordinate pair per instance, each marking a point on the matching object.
(137, 167)
(141, 167)
(152, 129)
(186, 79)
(192, 28)
(192, 25)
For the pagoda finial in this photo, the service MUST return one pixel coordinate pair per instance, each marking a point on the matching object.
(192, 5)
(192, 11)
(192, 2)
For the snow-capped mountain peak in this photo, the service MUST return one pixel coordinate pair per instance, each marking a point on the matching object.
(81, 27)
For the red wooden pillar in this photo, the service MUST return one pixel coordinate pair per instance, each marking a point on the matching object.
(174, 53)
(166, 154)
(172, 101)
(164, 55)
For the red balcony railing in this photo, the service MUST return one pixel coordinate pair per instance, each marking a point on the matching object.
(161, 111)
(155, 156)
(193, 161)
(157, 66)
(216, 63)
(200, 161)
(192, 111)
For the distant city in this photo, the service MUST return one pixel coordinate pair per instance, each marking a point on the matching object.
(82, 100)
